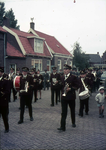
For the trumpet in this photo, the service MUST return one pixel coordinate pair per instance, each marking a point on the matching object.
(65, 89)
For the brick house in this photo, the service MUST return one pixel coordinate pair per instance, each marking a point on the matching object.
(31, 49)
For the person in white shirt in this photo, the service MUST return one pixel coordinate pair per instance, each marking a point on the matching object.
(100, 98)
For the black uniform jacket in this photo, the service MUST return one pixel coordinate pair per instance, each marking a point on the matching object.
(4, 91)
(73, 83)
(53, 78)
(29, 79)
(91, 77)
(35, 81)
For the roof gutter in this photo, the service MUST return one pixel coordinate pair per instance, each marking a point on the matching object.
(49, 50)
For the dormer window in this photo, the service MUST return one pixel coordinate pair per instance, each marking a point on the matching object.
(38, 45)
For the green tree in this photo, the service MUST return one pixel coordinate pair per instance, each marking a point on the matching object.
(2, 12)
(80, 60)
(13, 22)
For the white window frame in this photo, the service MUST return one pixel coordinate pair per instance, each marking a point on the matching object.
(12, 66)
(49, 64)
(38, 45)
(59, 65)
(36, 61)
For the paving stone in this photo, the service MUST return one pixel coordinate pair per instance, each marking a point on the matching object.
(42, 133)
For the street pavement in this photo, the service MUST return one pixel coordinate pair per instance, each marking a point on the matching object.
(42, 133)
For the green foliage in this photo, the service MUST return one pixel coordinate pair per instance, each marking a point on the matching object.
(9, 14)
(2, 12)
(80, 60)
(13, 22)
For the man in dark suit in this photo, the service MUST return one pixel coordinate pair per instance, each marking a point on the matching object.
(4, 92)
(46, 80)
(70, 84)
(84, 81)
(26, 86)
(54, 79)
(35, 83)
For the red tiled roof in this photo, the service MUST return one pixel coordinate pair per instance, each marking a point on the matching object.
(12, 51)
(1, 29)
(55, 45)
(27, 46)
(21, 33)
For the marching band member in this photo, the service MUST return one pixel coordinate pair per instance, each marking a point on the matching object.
(46, 80)
(40, 83)
(35, 83)
(26, 85)
(85, 101)
(70, 84)
(91, 78)
(18, 73)
(4, 92)
(54, 79)
(11, 78)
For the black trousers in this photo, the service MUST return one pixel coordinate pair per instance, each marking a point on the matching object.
(4, 111)
(84, 103)
(14, 94)
(64, 104)
(54, 92)
(25, 100)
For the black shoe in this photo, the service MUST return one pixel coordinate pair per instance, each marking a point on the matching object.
(19, 108)
(51, 105)
(86, 113)
(73, 125)
(31, 118)
(6, 131)
(37, 99)
(61, 129)
(20, 121)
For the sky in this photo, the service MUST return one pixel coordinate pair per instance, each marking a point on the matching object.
(83, 21)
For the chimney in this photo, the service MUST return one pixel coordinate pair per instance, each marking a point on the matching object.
(98, 53)
(32, 24)
(6, 22)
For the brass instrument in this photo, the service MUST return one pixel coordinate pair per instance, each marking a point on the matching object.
(54, 81)
(26, 87)
(65, 89)
(40, 81)
(11, 76)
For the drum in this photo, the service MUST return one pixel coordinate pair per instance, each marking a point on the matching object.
(83, 95)
(16, 83)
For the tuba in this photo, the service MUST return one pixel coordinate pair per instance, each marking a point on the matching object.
(65, 89)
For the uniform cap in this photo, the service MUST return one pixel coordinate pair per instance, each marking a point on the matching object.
(32, 70)
(82, 72)
(54, 68)
(11, 68)
(25, 69)
(67, 66)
